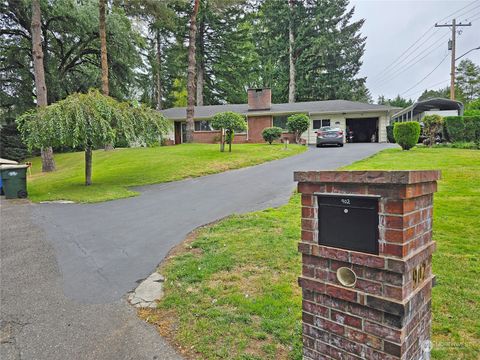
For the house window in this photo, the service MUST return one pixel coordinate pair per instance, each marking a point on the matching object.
(203, 125)
(317, 124)
(280, 121)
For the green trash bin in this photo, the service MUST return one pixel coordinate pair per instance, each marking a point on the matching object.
(14, 181)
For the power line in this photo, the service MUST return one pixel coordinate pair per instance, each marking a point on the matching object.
(427, 87)
(468, 11)
(403, 58)
(388, 67)
(448, 16)
(403, 53)
(426, 76)
(410, 64)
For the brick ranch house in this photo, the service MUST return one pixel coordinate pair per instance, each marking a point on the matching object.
(364, 119)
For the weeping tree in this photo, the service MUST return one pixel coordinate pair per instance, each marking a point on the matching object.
(228, 123)
(89, 121)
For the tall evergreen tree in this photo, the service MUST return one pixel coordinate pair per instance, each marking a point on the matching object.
(191, 71)
(331, 51)
(468, 80)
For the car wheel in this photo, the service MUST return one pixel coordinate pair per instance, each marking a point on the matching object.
(341, 145)
(319, 145)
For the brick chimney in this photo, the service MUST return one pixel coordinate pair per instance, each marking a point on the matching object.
(259, 99)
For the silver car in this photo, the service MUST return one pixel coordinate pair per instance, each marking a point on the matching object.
(329, 136)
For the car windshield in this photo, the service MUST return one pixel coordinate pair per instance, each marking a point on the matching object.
(329, 128)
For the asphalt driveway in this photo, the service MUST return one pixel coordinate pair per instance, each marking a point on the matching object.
(66, 267)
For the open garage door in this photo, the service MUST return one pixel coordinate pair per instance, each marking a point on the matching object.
(364, 129)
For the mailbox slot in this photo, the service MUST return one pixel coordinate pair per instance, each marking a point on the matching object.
(348, 222)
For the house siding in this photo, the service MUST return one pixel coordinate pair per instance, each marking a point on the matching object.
(340, 120)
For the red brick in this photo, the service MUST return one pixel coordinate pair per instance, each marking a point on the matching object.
(382, 331)
(393, 206)
(362, 337)
(304, 248)
(316, 309)
(368, 286)
(394, 250)
(308, 212)
(392, 349)
(308, 236)
(334, 264)
(309, 224)
(308, 200)
(329, 326)
(346, 345)
(393, 292)
(336, 254)
(345, 319)
(307, 318)
(365, 312)
(309, 188)
(367, 260)
(341, 293)
(373, 274)
(321, 274)
(308, 271)
(312, 285)
(315, 261)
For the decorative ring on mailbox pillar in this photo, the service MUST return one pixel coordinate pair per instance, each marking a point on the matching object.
(346, 277)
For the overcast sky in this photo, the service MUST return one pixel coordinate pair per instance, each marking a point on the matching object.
(392, 26)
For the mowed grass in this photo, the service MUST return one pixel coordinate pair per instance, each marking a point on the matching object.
(232, 292)
(115, 171)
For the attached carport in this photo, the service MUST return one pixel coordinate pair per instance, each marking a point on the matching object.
(439, 106)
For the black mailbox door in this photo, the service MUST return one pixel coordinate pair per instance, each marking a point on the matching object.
(348, 222)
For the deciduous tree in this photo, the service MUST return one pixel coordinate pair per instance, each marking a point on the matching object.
(88, 121)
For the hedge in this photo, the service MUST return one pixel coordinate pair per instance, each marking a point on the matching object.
(406, 134)
(462, 128)
(390, 137)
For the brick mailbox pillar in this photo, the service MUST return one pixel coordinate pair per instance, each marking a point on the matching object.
(367, 252)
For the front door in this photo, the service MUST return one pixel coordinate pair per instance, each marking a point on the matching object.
(180, 132)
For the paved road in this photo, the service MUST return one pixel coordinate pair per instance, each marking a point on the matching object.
(66, 267)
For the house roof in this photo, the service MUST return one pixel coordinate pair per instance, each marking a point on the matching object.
(430, 104)
(312, 107)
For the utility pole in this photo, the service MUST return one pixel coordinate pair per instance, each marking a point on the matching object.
(454, 26)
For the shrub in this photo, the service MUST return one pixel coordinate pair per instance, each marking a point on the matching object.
(298, 124)
(432, 125)
(406, 134)
(463, 128)
(454, 128)
(230, 122)
(11, 145)
(390, 137)
(271, 134)
(472, 129)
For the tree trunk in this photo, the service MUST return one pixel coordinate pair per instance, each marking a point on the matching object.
(103, 53)
(158, 83)
(200, 62)
(200, 83)
(291, 43)
(48, 162)
(191, 73)
(103, 46)
(88, 165)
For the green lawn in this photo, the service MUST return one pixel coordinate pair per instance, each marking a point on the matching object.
(232, 293)
(115, 171)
